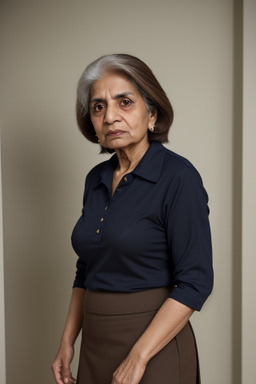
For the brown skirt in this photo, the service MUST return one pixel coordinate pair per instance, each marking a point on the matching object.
(113, 322)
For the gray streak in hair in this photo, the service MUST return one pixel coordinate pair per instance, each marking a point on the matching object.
(96, 70)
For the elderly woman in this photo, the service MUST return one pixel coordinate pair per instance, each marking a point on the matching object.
(143, 239)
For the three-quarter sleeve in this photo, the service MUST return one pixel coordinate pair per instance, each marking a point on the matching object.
(189, 238)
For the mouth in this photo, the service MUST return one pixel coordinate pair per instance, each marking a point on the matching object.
(115, 133)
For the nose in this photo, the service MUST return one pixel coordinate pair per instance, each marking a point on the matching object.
(111, 114)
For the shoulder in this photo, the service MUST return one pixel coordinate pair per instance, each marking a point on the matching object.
(100, 169)
(181, 176)
(97, 169)
(178, 166)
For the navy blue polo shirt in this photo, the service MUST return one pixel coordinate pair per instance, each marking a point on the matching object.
(153, 232)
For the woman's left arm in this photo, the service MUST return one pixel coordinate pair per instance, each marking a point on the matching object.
(167, 323)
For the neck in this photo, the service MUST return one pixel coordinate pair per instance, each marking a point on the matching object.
(129, 158)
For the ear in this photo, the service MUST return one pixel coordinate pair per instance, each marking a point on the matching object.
(152, 118)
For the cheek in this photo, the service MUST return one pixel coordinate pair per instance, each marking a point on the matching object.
(141, 124)
(139, 121)
(96, 124)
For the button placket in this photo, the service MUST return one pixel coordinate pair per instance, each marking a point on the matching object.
(125, 181)
(102, 219)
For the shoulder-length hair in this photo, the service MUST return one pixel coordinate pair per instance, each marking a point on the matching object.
(141, 77)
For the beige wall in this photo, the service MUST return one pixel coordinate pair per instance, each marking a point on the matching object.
(249, 193)
(2, 326)
(191, 47)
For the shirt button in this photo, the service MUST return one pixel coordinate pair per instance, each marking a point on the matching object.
(98, 231)
(101, 219)
(106, 207)
(125, 179)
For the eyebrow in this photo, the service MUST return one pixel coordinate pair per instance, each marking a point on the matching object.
(116, 97)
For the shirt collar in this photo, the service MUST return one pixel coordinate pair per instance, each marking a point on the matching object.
(149, 167)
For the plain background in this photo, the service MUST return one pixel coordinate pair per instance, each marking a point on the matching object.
(195, 50)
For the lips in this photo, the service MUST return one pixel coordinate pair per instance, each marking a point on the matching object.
(115, 133)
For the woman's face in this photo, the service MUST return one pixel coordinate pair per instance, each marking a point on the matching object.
(119, 114)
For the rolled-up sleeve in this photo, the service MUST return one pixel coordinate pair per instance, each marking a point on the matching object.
(189, 239)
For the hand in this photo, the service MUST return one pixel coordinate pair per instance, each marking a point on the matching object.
(61, 365)
(130, 371)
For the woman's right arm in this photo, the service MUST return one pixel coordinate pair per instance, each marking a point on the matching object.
(61, 363)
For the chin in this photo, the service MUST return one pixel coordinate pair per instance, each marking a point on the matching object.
(116, 145)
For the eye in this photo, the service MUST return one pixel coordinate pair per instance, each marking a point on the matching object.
(126, 102)
(98, 107)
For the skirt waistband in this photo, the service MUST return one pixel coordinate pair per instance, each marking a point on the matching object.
(119, 303)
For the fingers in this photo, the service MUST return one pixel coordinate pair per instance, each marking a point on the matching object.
(63, 378)
(129, 372)
(61, 365)
(61, 372)
(69, 380)
(57, 370)
(66, 373)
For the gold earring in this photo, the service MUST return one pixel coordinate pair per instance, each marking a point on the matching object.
(152, 128)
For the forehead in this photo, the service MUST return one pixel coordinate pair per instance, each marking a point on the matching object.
(113, 84)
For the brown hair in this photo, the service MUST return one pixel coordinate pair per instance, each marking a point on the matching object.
(141, 77)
